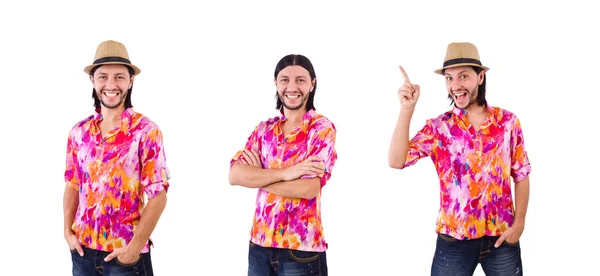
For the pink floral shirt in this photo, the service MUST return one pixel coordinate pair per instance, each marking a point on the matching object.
(475, 170)
(112, 174)
(292, 223)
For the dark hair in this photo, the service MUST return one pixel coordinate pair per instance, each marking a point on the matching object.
(129, 91)
(481, 101)
(299, 60)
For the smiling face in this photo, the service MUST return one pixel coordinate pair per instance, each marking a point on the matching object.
(111, 82)
(462, 84)
(294, 87)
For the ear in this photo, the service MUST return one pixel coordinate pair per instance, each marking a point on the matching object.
(313, 83)
(480, 77)
(131, 82)
(92, 79)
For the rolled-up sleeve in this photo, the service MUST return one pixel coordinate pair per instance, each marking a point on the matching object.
(520, 166)
(154, 174)
(252, 143)
(420, 145)
(322, 145)
(72, 168)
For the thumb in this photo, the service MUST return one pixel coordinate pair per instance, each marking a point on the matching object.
(111, 256)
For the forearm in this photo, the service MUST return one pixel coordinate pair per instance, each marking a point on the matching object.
(70, 204)
(300, 188)
(253, 177)
(521, 201)
(148, 221)
(399, 145)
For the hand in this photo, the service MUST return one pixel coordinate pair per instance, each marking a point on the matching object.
(124, 255)
(408, 93)
(511, 235)
(73, 243)
(312, 165)
(252, 158)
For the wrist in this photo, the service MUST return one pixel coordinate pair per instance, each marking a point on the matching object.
(135, 245)
(68, 232)
(407, 111)
(519, 223)
(283, 174)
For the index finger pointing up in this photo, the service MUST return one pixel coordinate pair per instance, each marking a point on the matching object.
(404, 75)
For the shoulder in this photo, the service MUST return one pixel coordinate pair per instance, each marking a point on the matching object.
(440, 119)
(444, 116)
(143, 122)
(81, 126)
(83, 122)
(320, 122)
(504, 116)
(264, 126)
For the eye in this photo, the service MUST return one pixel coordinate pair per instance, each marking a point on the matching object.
(102, 77)
(463, 77)
(283, 80)
(301, 80)
(448, 78)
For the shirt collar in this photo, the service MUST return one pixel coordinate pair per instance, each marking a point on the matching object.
(125, 115)
(305, 118)
(492, 113)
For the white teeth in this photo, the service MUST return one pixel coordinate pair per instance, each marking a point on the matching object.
(292, 97)
(110, 94)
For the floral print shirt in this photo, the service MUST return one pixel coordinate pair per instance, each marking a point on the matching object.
(475, 170)
(112, 174)
(291, 223)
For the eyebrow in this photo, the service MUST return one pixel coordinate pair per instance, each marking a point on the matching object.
(461, 72)
(102, 73)
(298, 77)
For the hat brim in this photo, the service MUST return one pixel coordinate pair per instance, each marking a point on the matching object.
(441, 71)
(89, 68)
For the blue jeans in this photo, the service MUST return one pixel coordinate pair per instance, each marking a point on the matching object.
(92, 264)
(266, 261)
(457, 257)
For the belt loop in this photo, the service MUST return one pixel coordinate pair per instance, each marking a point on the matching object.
(274, 253)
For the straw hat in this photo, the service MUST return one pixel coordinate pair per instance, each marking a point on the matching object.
(111, 52)
(461, 54)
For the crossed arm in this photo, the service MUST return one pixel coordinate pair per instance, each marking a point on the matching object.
(248, 172)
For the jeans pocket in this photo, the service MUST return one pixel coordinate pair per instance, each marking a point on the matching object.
(511, 243)
(303, 256)
(128, 265)
(447, 237)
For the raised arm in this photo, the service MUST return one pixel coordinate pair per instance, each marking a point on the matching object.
(408, 94)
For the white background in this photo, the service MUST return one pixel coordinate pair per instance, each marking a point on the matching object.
(207, 80)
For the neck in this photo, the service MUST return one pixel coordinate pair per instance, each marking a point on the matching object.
(476, 109)
(112, 115)
(294, 116)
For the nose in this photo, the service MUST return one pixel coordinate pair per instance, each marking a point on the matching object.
(111, 83)
(291, 87)
(454, 85)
